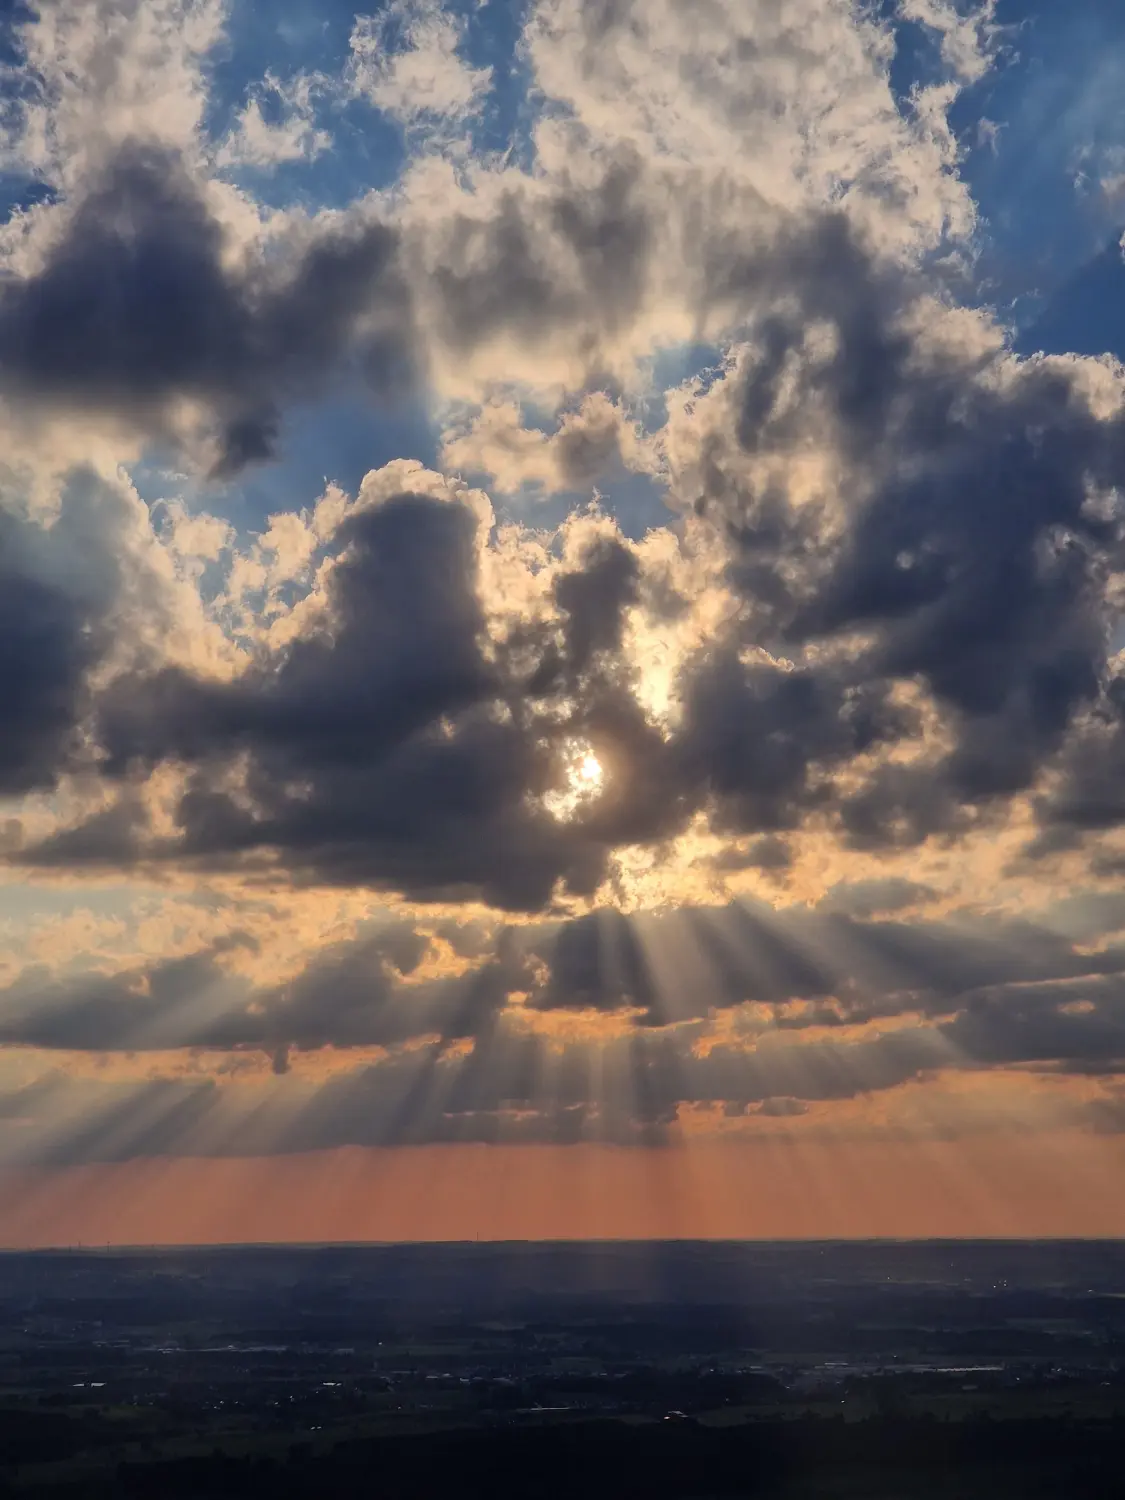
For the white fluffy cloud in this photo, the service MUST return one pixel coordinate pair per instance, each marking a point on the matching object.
(103, 72)
(968, 35)
(587, 443)
(257, 140)
(407, 60)
(786, 103)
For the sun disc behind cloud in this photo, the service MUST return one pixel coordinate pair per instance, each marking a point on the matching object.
(581, 781)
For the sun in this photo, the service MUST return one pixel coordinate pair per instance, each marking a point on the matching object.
(588, 772)
(581, 780)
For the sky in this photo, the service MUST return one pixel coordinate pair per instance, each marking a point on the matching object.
(562, 619)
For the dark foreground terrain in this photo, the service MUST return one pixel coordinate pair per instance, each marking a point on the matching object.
(678, 1370)
(809, 1457)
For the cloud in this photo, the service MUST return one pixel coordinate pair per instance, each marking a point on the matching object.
(1086, 795)
(378, 752)
(867, 651)
(750, 1012)
(889, 582)
(782, 1109)
(359, 994)
(797, 969)
(69, 582)
(717, 90)
(136, 313)
(769, 853)
(113, 837)
(559, 275)
(407, 738)
(884, 583)
(901, 540)
(512, 1092)
(93, 76)
(967, 37)
(277, 124)
(48, 652)
(407, 61)
(1069, 1026)
(586, 445)
(871, 898)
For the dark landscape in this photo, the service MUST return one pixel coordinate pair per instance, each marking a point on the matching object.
(677, 1369)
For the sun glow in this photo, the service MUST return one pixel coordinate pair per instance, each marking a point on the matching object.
(581, 781)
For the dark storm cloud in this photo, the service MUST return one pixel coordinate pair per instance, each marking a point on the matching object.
(764, 741)
(58, 589)
(135, 309)
(1076, 1026)
(411, 767)
(976, 552)
(45, 654)
(1088, 795)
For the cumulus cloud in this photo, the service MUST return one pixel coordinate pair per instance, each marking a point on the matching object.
(586, 445)
(719, 89)
(407, 60)
(409, 738)
(137, 313)
(82, 589)
(943, 558)
(558, 275)
(91, 77)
